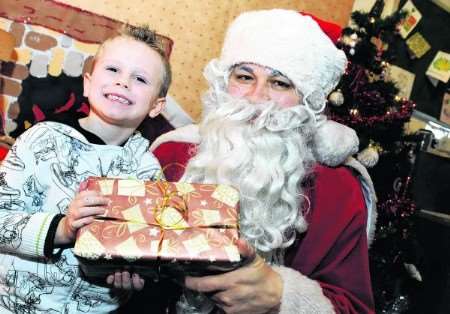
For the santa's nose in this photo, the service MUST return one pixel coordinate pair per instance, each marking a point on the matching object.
(258, 93)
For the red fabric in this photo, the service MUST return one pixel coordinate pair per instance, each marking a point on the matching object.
(334, 249)
(3, 152)
(173, 157)
(332, 30)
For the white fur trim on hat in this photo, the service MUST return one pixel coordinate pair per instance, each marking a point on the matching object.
(291, 43)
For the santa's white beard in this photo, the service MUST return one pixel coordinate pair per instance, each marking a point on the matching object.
(262, 150)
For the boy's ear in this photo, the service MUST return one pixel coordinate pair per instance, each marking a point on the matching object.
(86, 84)
(157, 107)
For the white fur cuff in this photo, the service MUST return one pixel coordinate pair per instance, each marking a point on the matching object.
(301, 294)
(186, 134)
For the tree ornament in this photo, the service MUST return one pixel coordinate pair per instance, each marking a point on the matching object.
(368, 156)
(336, 98)
(413, 271)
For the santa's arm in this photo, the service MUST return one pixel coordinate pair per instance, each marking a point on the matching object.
(333, 253)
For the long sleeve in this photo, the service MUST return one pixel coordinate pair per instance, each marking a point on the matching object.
(23, 225)
(334, 250)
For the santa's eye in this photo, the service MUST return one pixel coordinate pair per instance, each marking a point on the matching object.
(281, 84)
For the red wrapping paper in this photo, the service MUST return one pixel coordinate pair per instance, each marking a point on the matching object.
(161, 221)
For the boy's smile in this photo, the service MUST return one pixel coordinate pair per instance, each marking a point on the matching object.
(118, 98)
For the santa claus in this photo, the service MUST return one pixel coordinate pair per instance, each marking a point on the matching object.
(305, 204)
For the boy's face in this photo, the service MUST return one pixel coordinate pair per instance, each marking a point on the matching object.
(124, 85)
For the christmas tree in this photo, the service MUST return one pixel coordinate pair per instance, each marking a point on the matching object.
(368, 101)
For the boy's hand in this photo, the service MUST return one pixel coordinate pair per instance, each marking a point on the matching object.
(124, 280)
(81, 212)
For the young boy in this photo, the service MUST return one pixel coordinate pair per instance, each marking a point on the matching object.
(40, 208)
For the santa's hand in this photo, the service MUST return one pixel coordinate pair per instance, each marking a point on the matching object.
(253, 288)
(124, 280)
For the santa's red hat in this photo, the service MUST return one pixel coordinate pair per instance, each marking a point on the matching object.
(333, 31)
(291, 43)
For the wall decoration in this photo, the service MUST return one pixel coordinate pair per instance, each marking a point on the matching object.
(411, 20)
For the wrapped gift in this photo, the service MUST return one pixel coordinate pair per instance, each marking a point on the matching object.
(157, 225)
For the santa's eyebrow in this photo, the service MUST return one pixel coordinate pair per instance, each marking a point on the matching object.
(278, 73)
(272, 73)
(243, 67)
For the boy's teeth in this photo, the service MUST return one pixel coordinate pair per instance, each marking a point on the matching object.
(119, 99)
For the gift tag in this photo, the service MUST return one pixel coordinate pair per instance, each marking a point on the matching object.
(417, 46)
(439, 69)
(411, 20)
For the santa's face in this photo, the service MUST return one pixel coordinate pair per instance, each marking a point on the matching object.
(260, 84)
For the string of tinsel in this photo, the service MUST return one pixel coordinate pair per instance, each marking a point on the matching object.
(402, 115)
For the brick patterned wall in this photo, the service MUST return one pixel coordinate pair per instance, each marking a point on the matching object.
(39, 52)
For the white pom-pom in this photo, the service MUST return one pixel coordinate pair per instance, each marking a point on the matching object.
(334, 143)
(368, 157)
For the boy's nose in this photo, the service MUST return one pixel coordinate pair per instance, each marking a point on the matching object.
(122, 81)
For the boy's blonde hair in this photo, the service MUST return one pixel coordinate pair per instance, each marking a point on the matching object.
(144, 34)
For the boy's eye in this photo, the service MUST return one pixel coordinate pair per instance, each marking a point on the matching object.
(112, 69)
(141, 79)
